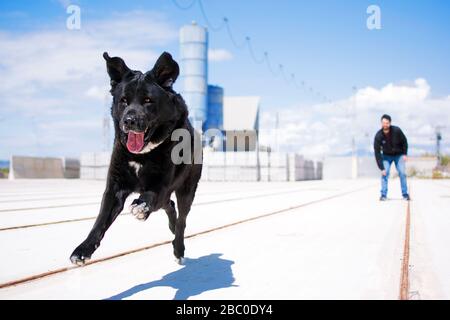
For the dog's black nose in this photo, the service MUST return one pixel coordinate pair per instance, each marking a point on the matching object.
(130, 121)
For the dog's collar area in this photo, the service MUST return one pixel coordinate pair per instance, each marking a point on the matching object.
(149, 147)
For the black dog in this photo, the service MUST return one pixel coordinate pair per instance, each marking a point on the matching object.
(146, 110)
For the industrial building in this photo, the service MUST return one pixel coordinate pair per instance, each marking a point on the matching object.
(240, 122)
(194, 70)
(236, 117)
(232, 153)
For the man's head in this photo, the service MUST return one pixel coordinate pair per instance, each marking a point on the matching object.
(385, 122)
(145, 108)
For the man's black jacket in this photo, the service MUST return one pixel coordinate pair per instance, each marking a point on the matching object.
(398, 144)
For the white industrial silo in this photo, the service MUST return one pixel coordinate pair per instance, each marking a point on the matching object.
(194, 71)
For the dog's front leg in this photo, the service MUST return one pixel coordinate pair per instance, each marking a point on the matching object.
(112, 204)
(144, 205)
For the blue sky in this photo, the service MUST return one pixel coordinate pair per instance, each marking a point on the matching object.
(325, 43)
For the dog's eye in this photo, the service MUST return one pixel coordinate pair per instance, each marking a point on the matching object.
(124, 100)
(148, 100)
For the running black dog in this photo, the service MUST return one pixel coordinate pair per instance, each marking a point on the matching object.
(146, 111)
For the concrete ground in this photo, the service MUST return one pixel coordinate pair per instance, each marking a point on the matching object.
(280, 240)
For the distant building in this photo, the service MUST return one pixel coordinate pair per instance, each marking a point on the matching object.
(241, 122)
(214, 117)
(194, 70)
(236, 117)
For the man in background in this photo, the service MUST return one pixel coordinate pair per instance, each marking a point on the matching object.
(390, 145)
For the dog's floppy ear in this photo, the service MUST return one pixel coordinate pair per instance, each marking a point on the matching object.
(116, 68)
(165, 70)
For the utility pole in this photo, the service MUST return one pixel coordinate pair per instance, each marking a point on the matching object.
(277, 121)
(353, 126)
(438, 143)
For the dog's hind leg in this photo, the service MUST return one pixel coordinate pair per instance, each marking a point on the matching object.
(185, 196)
(184, 201)
(171, 214)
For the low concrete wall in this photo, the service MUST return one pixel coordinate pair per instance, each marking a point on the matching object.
(341, 167)
(421, 166)
(337, 168)
(249, 166)
(94, 165)
(35, 168)
(367, 167)
(71, 168)
(227, 166)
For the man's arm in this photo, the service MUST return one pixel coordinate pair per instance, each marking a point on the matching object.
(404, 143)
(377, 151)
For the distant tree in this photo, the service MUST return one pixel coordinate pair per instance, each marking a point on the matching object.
(445, 160)
(4, 173)
(427, 155)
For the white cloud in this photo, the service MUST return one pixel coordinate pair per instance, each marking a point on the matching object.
(391, 93)
(219, 55)
(325, 129)
(49, 57)
(76, 124)
(97, 92)
(56, 76)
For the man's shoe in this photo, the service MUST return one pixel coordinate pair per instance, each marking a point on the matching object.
(406, 197)
(383, 198)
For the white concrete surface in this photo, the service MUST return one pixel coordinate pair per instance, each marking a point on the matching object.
(430, 239)
(345, 247)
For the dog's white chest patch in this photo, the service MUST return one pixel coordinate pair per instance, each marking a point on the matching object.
(149, 147)
(136, 166)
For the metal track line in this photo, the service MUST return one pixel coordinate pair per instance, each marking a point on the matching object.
(74, 195)
(404, 276)
(52, 198)
(98, 202)
(121, 254)
(51, 207)
(122, 214)
(26, 226)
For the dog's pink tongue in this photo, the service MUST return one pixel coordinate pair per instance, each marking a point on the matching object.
(135, 141)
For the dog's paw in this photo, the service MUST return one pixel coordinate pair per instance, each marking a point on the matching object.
(140, 210)
(80, 255)
(178, 249)
(180, 261)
